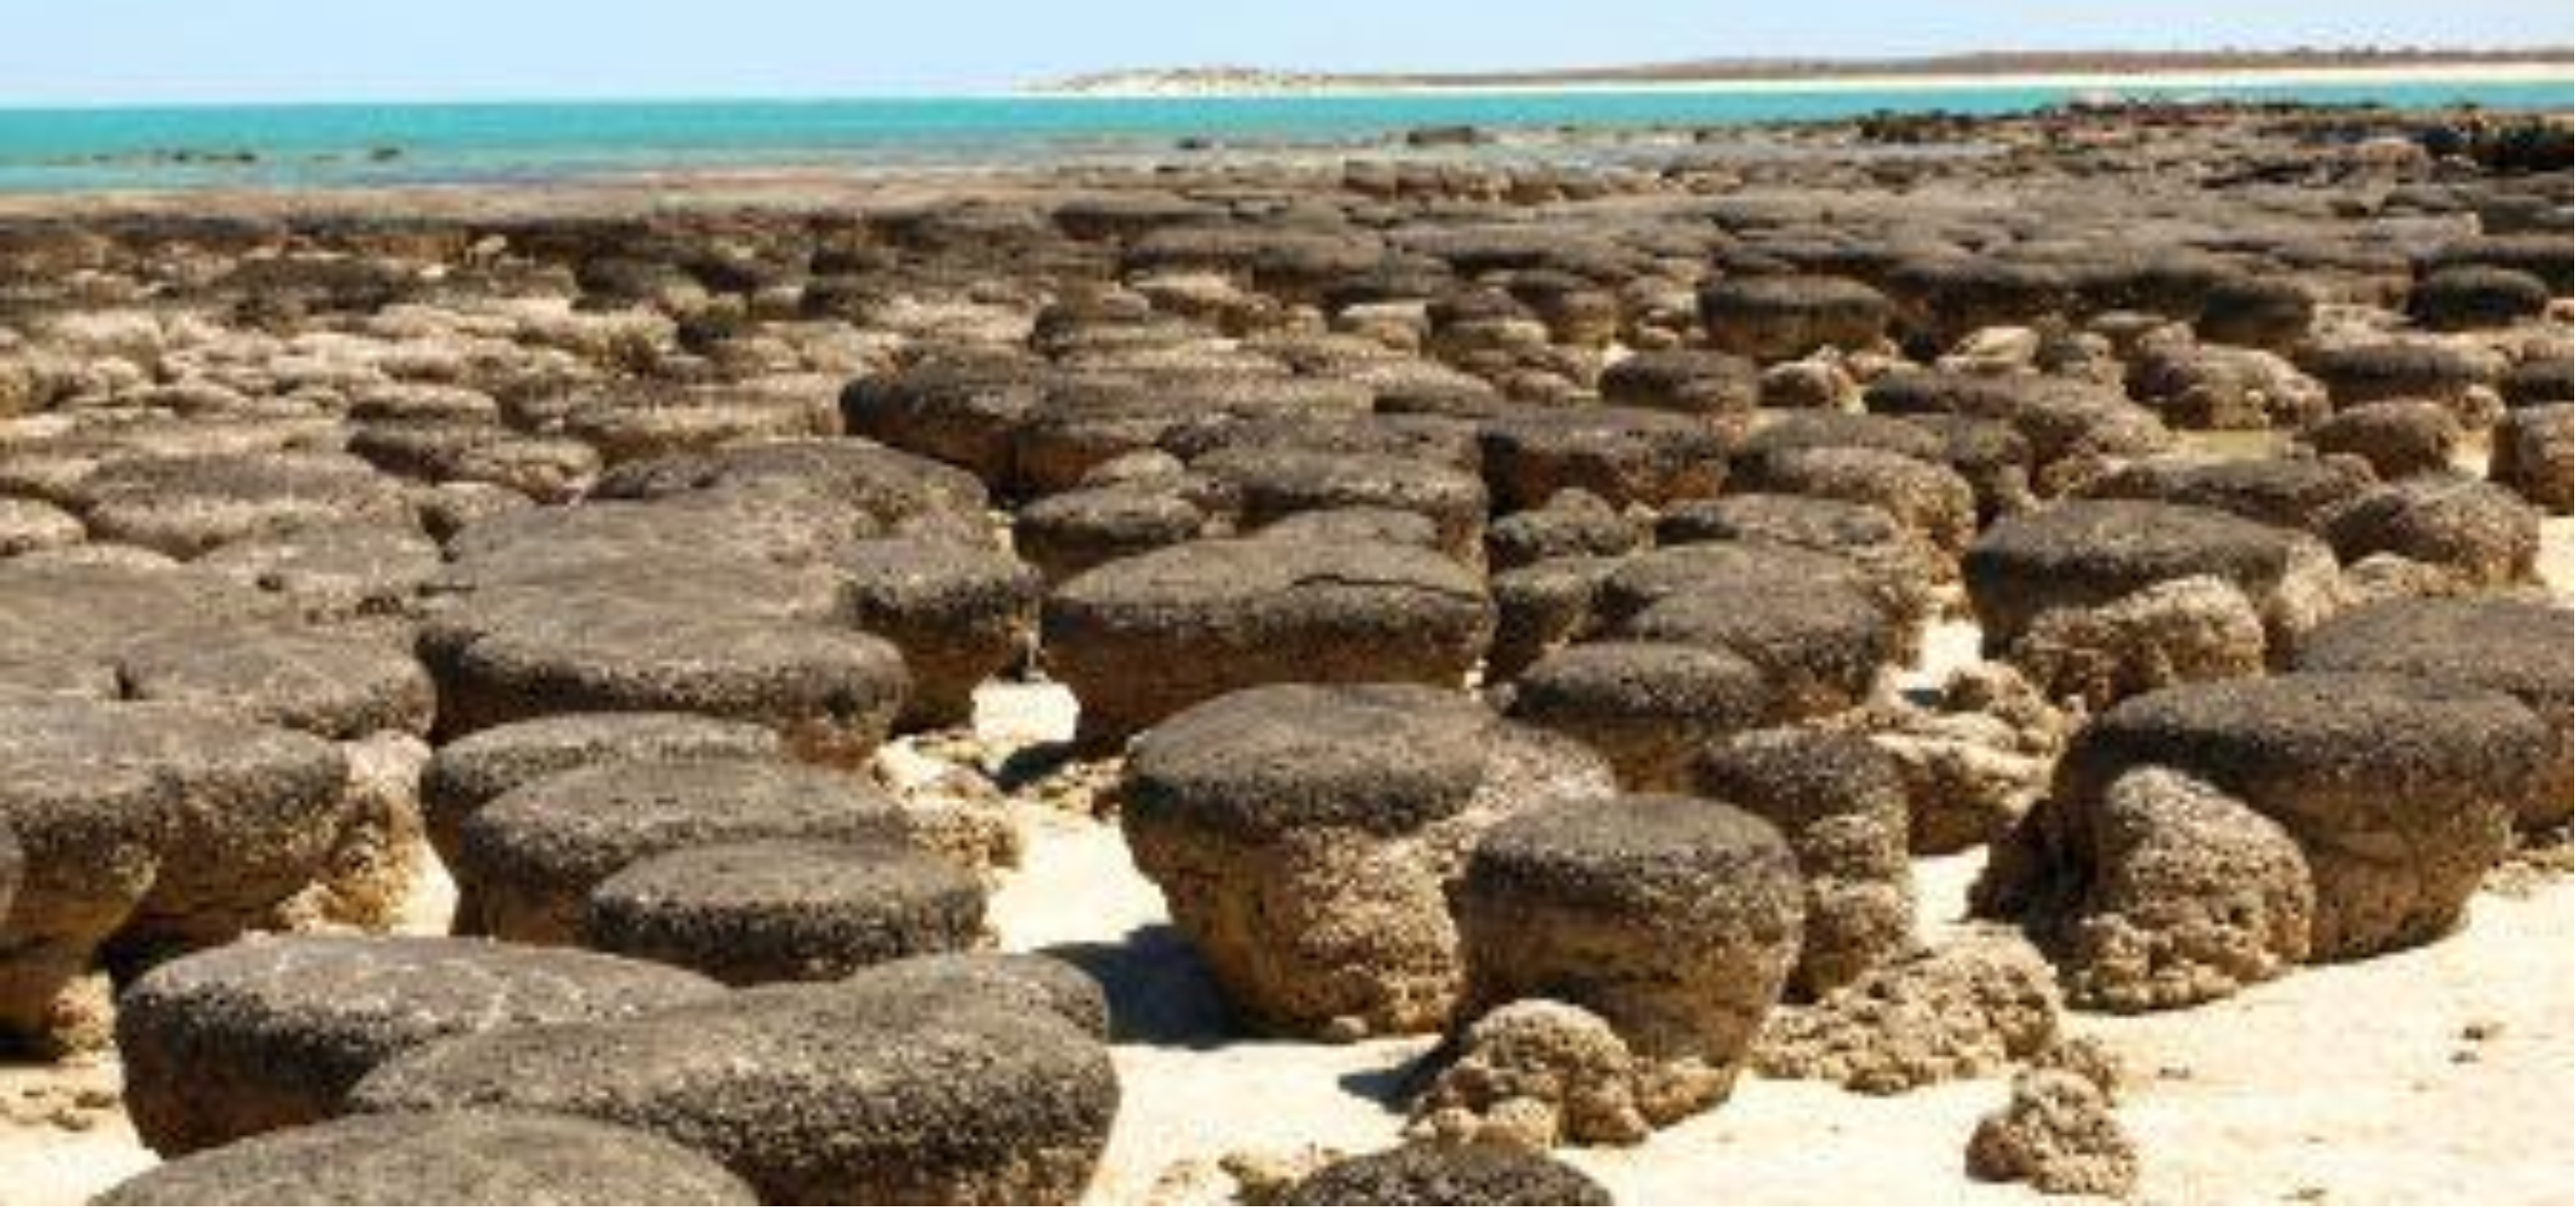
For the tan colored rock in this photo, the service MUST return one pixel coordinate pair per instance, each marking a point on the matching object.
(1968, 1008)
(2195, 895)
(2057, 1135)
(1536, 1074)
(2198, 628)
(1306, 838)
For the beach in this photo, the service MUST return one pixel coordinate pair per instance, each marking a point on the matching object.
(2100, 82)
(1942, 657)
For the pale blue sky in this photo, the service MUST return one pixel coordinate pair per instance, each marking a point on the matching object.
(71, 51)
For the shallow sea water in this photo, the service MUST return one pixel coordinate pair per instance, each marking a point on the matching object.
(233, 146)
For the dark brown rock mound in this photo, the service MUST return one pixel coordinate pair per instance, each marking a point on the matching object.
(1675, 919)
(1840, 802)
(528, 860)
(780, 911)
(1142, 638)
(870, 1091)
(1435, 1174)
(1647, 706)
(2518, 647)
(1305, 837)
(442, 1158)
(465, 774)
(959, 612)
(2399, 793)
(1624, 455)
(2085, 554)
(149, 828)
(2472, 532)
(272, 1033)
(1781, 318)
(830, 692)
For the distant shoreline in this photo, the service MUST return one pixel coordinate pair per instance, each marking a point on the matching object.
(176, 151)
(1186, 84)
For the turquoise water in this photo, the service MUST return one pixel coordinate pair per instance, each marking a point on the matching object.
(141, 148)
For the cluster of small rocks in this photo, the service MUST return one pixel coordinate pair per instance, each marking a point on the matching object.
(1494, 598)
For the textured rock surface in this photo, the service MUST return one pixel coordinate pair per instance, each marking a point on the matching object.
(1443, 1175)
(2519, 647)
(774, 911)
(1142, 638)
(1675, 919)
(875, 1090)
(527, 862)
(1967, 1008)
(148, 828)
(1305, 838)
(271, 1033)
(467, 1158)
(1840, 802)
(2399, 793)
(2059, 1136)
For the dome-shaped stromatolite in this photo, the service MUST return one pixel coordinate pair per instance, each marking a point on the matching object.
(185, 506)
(461, 1158)
(528, 860)
(877, 1090)
(149, 827)
(781, 911)
(1821, 628)
(465, 774)
(2398, 437)
(961, 410)
(1571, 524)
(1067, 534)
(1676, 919)
(1863, 533)
(1142, 638)
(1541, 607)
(2259, 312)
(1624, 455)
(1840, 802)
(2514, 646)
(1694, 382)
(1929, 498)
(1438, 1174)
(2290, 492)
(270, 1033)
(1780, 318)
(1304, 837)
(2086, 554)
(2535, 456)
(321, 683)
(831, 692)
(2399, 792)
(1268, 483)
(862, 488)
(959, 613)
(2473, 531)
(2465, 297)
(2394, 369)
(1647, 706)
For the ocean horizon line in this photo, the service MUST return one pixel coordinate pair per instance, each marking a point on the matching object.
(1378, 85)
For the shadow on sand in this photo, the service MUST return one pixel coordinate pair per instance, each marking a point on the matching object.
(1159, 992)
